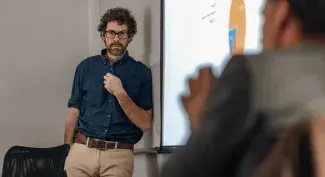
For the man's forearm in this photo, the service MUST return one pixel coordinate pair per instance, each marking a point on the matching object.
(141, 118)
(70, 125)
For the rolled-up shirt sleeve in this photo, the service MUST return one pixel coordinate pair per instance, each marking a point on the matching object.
(77, 87)
(145, 99)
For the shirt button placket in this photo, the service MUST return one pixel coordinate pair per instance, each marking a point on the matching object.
(107, 129)
(111, 68)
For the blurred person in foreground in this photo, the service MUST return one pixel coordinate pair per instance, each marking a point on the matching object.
(257, 96)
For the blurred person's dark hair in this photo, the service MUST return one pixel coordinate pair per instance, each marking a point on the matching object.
(289, 22)
(311, 14)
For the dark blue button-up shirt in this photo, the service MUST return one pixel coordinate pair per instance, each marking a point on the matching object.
(101, 116)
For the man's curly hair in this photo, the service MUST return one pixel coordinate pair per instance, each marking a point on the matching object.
(120, 15)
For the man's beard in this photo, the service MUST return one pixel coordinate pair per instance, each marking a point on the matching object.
(116, 51)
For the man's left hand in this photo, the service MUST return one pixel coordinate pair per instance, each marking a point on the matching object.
(112, 84)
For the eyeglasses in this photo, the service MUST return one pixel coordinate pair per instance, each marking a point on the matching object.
(111, 34)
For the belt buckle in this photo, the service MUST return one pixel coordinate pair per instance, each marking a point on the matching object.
(105, 148)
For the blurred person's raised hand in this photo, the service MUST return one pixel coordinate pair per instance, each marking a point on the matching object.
(199, 90)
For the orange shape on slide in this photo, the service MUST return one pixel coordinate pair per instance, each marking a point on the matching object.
(237, 24)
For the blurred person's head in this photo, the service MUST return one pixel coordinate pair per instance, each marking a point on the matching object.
(288, 22)
(117, 28)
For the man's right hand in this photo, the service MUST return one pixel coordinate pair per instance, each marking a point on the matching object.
(199, 92)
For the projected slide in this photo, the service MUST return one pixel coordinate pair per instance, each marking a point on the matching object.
(202, 32)
(237, 26)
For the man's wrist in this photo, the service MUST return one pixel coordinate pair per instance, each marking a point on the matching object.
(68, 142)
(120, 92)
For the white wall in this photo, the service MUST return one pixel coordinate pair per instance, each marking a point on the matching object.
(41, 42)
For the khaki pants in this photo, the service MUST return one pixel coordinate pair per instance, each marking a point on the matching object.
(90, 162)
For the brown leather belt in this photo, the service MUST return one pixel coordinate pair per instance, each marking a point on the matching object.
(100, 144)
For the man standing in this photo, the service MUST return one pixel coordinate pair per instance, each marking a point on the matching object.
(257, 96)
(111, 102)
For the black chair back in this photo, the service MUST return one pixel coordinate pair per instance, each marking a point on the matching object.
(22, 161)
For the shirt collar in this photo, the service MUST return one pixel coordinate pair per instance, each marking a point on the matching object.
(120, 61)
